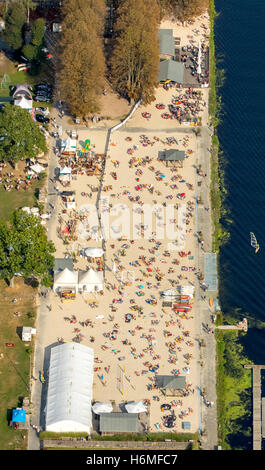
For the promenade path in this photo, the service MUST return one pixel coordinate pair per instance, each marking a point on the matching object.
(121, 445)
(208, 353)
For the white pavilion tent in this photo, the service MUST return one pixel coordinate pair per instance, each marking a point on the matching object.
(65, 174)
(90, 281)
(94, 252)
(23, 102)
(102, 407)
(68, 146)
(69, 395)
(37, 168)
(135, 407)
(65, 279)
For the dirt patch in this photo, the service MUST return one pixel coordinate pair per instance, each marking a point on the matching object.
(6, 65)
(113, 106)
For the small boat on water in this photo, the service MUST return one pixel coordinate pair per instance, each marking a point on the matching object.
(211, 302)
(253, 242)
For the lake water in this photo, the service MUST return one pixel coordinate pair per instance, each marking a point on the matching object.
(240, 42)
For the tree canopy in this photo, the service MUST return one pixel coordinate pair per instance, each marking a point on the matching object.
(20, 136)
(25, 249)
(38, 30)
(81, 57)
(135, 57)
(15, 19)
(184, 9)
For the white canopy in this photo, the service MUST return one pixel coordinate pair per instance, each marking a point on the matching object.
(68, 145)
(90, 281)
(102, 407)
(135, 407)
(70, 388)
(169, 293)
(23, 103)
(37, 168)
(94, 252)
(65, 279)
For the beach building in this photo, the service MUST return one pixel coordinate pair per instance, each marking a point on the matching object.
(173, 156)
(68, 198)
(167, 45)
(69, 395)
(171, 70)
(173, 385)
(118, 423)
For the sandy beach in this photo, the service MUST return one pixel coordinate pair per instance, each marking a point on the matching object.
(134, 335)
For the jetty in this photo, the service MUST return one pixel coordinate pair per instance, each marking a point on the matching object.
(243, 326)
(256, 391)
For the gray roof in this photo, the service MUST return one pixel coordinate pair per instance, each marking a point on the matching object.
(61, 263)
(210, 271)
(171, 155)
(118, 422)
(171, 381)
(166, 39)
(171, 70)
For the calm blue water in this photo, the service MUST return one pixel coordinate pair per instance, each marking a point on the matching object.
(240, 41)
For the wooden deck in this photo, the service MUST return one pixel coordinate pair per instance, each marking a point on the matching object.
(256, 391)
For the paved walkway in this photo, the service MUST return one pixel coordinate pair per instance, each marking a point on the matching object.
(203, 312)
(146, 445)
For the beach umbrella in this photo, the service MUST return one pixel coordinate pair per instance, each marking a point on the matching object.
(102, 407)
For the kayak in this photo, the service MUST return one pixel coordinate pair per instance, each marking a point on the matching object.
(211, 302)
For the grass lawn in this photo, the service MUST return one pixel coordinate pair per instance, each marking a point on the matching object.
(12, 200)
(15, 364)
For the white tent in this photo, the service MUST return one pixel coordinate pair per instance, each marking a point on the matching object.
(37, 168)
(27, 331)
(70, 388)
(135, 407)
(23, 103)
(169, 293)
(65, 279)
(68, 146)
(102, 407)
(94, 252)
(90, 281)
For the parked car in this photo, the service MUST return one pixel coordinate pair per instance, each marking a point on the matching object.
(42, 110)
(43, 86)
(42, 98)
(45, 95)
(41, 118)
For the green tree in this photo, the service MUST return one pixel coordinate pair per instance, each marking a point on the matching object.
(15, 19)
(135, 57)
(20, 136)
(38, 30)
(30, 51)
(25, 249)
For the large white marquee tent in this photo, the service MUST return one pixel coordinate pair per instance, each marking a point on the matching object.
(70, 388)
